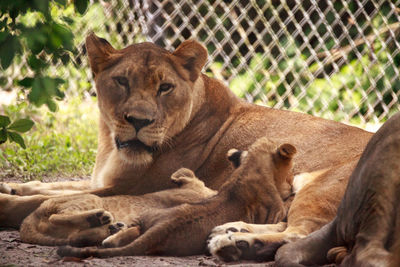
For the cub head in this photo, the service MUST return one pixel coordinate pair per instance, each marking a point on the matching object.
(268, 159)
(146, 94)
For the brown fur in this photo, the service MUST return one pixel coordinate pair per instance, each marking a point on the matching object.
(367, 226)
(193, 126)
(256, 193)
(86, 219)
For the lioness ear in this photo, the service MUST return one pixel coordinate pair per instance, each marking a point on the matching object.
(192, 56)
(286, 151)
(99, 52)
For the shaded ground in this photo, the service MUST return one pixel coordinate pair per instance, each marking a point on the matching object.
(15, 253)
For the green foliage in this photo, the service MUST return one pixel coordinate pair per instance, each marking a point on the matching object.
(28, 28)
(61, 144)
(9, 130)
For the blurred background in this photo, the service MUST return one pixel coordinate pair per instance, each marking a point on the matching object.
(334, 59)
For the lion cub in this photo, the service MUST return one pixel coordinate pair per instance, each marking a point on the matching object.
(86, 219)
(257, 192)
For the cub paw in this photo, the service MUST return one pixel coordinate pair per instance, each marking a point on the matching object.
(99, 218)
(116, 227)
(122, 238)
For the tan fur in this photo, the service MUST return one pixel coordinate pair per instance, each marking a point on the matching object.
(193, 126)
(366, 229)
(86, 219)
(256, 192)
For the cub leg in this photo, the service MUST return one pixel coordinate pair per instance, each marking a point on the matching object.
(14, 209)
(36, 188)
(83, 220)
(89, 237)
(122, 238)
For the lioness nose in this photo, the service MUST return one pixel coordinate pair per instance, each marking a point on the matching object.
(138, 123)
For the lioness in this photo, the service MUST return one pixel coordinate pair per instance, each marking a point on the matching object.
(182, 230)
(367, 225)
(158, 113)
(86, 219)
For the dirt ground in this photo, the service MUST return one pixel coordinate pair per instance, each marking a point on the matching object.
(15, 253)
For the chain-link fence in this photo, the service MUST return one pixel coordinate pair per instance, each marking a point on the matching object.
(335, 59)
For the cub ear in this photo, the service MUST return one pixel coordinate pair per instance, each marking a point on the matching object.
(192, 56)
(99, 52)
(236, 156)
(286, 151)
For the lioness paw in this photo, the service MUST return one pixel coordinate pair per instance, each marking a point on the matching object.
(223, 247)
(236, 245)
(230, 227)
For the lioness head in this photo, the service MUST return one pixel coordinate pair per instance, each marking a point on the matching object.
(146, 95)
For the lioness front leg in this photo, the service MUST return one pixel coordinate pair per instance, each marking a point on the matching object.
(39, 188)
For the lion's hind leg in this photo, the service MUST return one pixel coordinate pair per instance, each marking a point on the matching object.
(39, 188)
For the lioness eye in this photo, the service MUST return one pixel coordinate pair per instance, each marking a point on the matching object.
(121, 81)
(165, 87)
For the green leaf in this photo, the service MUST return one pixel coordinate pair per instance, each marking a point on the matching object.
(8, 48)
(81, 5)
(26, 82)
(51, 105)
(3, 135)
(22, 125)
(14, 137)
(36, 63)
(43, 89)
(62, 2)
(3, 35)
(4, 121)
(42, 6)
(68, 20)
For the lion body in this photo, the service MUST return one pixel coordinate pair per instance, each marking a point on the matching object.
(367, 225)
(158, 113)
